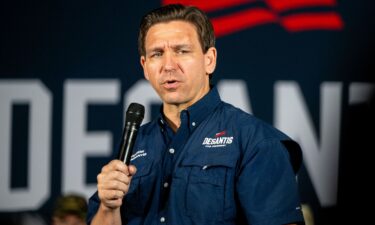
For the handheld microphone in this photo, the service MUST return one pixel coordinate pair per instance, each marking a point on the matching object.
(134, 117)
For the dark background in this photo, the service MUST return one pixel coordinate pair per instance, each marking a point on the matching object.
(57, 40)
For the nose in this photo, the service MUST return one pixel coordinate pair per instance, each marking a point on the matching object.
(170, 63)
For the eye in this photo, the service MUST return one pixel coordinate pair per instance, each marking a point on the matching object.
(156, 54)
(182, 51)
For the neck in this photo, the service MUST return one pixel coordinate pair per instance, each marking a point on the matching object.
(172, 116)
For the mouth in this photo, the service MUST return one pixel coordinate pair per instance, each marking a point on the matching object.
(171, 84)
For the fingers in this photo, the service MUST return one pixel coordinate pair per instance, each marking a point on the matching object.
(114, 180)
(112, 204)
(113, 183)
(115, 165)
(132, 170)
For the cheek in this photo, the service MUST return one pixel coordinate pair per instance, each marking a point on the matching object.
(193, 66)
(150, 72)
(197, 69)
(153, 79)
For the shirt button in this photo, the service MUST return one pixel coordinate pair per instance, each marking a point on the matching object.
(162, 219)
(166, 184)
(193, 123)
(171, 150)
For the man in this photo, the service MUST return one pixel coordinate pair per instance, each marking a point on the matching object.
(70, 210)
(202, 161)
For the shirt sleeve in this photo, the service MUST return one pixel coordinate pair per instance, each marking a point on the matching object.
(266, 185)
(93, 207)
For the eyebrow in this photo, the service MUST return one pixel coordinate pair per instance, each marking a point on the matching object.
(174, 47)
(181, 46)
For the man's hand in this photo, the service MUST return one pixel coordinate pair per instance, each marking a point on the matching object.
(113, 183)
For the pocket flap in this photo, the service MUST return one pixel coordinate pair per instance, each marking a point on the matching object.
(210, 158)
(143, 169)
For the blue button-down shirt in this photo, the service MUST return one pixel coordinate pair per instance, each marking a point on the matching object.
(222, 166)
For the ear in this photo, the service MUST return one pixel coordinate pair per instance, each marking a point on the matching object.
(210, 60)
(143, 62)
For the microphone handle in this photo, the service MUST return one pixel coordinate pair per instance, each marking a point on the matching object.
(128, 139)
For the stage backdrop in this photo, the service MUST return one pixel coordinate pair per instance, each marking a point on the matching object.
(70, 68)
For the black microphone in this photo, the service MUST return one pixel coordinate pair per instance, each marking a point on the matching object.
(134, 117)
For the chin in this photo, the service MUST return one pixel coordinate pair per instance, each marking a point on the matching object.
(172, 98)
(174, 101)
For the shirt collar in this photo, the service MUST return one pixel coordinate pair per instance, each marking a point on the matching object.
(200, 110)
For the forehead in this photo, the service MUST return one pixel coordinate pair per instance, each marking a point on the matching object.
(174, 31)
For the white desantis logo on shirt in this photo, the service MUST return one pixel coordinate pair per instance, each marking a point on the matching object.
(220, 140)
(140, 153)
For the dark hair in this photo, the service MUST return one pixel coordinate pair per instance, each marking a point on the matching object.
(174, 12)
(71, 204)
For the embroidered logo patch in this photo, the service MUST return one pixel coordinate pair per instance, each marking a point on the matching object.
(219, 140)
(219, 134)
(140, 153)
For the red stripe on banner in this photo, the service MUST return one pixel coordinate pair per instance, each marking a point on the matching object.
(238, 21)
(283, 5)
(207, 5)
(312, 21)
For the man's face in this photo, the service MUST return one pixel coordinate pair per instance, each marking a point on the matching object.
(68, 220)
(175, 64)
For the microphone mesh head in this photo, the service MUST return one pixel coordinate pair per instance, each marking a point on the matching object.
(135, 113)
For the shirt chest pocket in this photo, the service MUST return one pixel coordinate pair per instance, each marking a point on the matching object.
(209, 180)
(139, 191)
